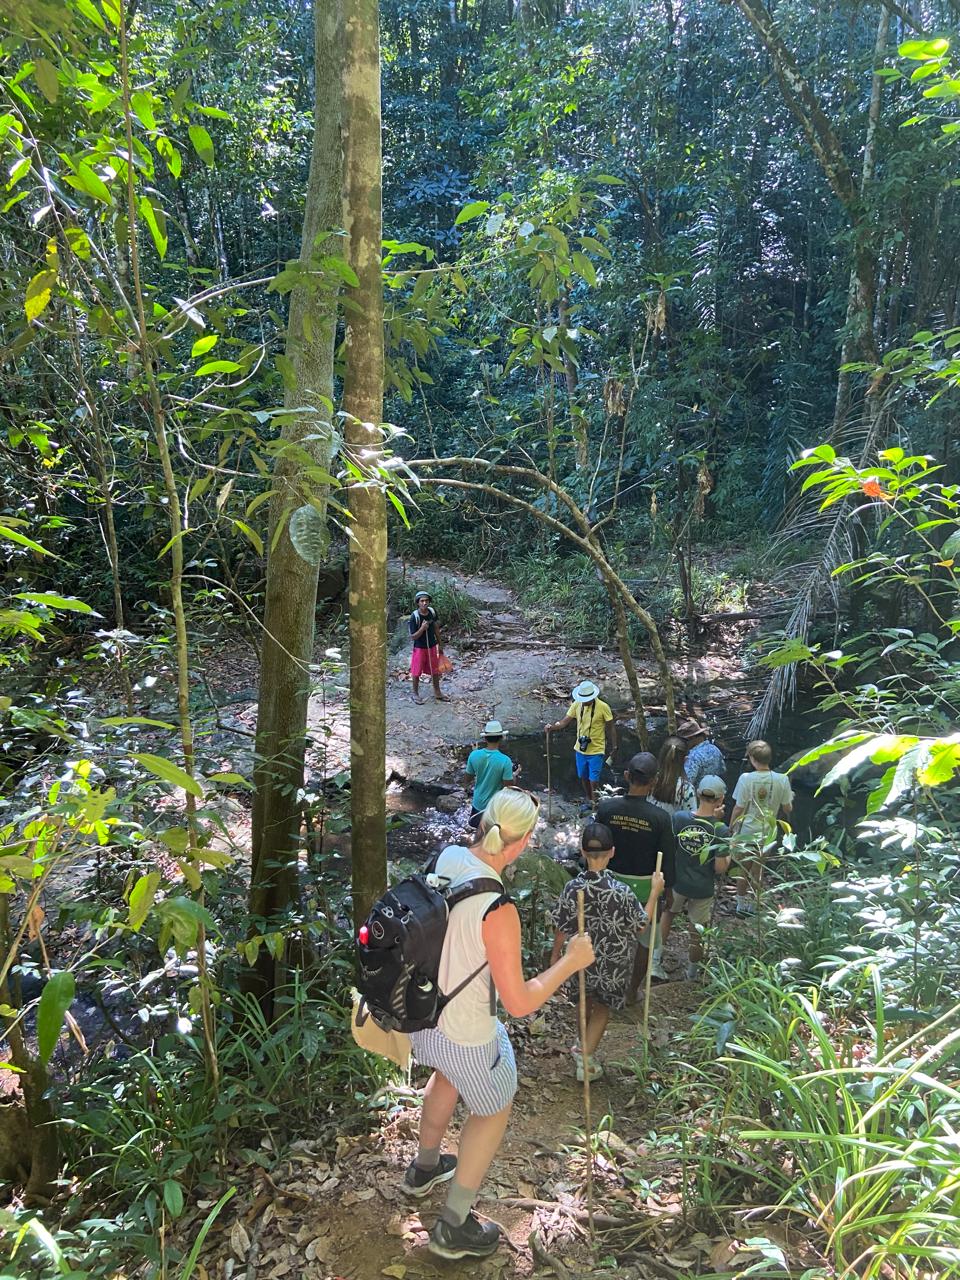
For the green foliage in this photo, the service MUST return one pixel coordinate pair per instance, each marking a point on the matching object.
(855, 1129)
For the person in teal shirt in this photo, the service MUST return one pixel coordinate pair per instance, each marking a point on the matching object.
(489, 768)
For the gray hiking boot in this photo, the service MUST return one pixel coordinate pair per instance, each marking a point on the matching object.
(472, 1239)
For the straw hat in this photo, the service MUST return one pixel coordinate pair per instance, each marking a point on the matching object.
(493, 729)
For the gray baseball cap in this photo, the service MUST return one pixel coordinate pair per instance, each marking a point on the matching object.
(712, 787)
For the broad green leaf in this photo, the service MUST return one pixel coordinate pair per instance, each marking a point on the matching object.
(181, 919)
(217, 366)
(45, 74)
(55, 1000)
(142, 897)
(18, 171)
(86, 180)
(173, 1197)
(231, 779)
(112, 11)
(37, 298)
(202, 143)
(250, 534)
(52, 601)
(942, 762)
(827, 748)
(23, 541)
(117, 721)
(90, 12)
(921, 50)
(872, 749)
(170, 156)
(309, 535)
(177, 839)
(142, 104)
(584, 267)
(167, 771)
(156, 220)
(472, 210)
(204, 344)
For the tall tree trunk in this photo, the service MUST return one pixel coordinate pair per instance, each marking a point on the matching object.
(363, 407)
(291, 588)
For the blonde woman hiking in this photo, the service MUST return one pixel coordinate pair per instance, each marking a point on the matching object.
(469, 1050)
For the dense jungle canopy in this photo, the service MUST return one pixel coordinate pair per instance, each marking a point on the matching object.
(628, 332)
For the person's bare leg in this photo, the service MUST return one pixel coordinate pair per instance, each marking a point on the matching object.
(440, 697)
(695, 951)
(480, 1140)
(439, 1101)
(415, 686)
(598, 1015)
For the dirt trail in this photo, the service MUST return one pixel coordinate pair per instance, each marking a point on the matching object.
(500, 670)
(344, 1216)
(348, 1219)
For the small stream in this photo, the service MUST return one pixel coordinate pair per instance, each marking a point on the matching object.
(426, 817)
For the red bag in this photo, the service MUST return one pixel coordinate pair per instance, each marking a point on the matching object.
(444, 665)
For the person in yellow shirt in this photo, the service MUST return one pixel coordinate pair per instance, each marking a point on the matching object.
(596, 737)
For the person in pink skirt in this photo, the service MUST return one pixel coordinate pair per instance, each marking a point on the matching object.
(427, 650)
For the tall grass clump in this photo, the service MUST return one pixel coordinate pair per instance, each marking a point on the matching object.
(824, 1112)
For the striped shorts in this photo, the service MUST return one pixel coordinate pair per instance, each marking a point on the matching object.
(485, 1075)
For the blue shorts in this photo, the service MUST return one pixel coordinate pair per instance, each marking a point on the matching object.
(589, 766)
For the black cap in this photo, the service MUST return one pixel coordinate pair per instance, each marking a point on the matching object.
(642, 767)
(597, 838)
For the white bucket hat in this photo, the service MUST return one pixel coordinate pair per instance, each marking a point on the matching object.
(493, 729)
(585, 691)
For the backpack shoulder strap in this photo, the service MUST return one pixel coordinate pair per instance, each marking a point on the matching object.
(484, 884)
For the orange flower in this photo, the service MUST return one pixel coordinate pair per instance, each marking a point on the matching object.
(872, 488)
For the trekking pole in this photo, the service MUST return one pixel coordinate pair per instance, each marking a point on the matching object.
(586, 1072)
(649, 974)
(549, 791)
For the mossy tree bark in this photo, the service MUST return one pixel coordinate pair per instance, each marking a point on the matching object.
(291, 588)
(363, 408)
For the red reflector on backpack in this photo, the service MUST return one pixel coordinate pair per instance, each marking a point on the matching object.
(364, 935)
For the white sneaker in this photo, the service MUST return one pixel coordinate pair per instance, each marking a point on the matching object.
(746, 907)
(692, 971)
(656, 966)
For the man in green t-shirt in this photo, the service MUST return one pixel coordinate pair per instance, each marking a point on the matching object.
(702, 854)
(489, 767)
(596, 737)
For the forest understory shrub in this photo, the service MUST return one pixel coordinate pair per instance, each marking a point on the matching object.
(820, 1108)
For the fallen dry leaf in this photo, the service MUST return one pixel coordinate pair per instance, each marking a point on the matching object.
(239, 1240)
(723, 1255)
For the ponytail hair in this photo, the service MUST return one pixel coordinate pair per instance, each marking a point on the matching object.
(669, 770)
(507, 818)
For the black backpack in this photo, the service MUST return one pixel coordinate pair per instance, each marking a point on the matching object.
(399, 947)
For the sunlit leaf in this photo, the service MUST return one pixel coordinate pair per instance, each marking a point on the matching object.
(167, 771)
(202, 143)
(142, 897)
(39, 290)
(472, 210)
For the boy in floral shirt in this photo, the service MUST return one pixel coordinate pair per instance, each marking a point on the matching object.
(614, 919)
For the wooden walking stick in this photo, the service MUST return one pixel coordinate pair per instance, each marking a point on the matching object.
(550, 793)
(647, 977)
(586, 1072)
